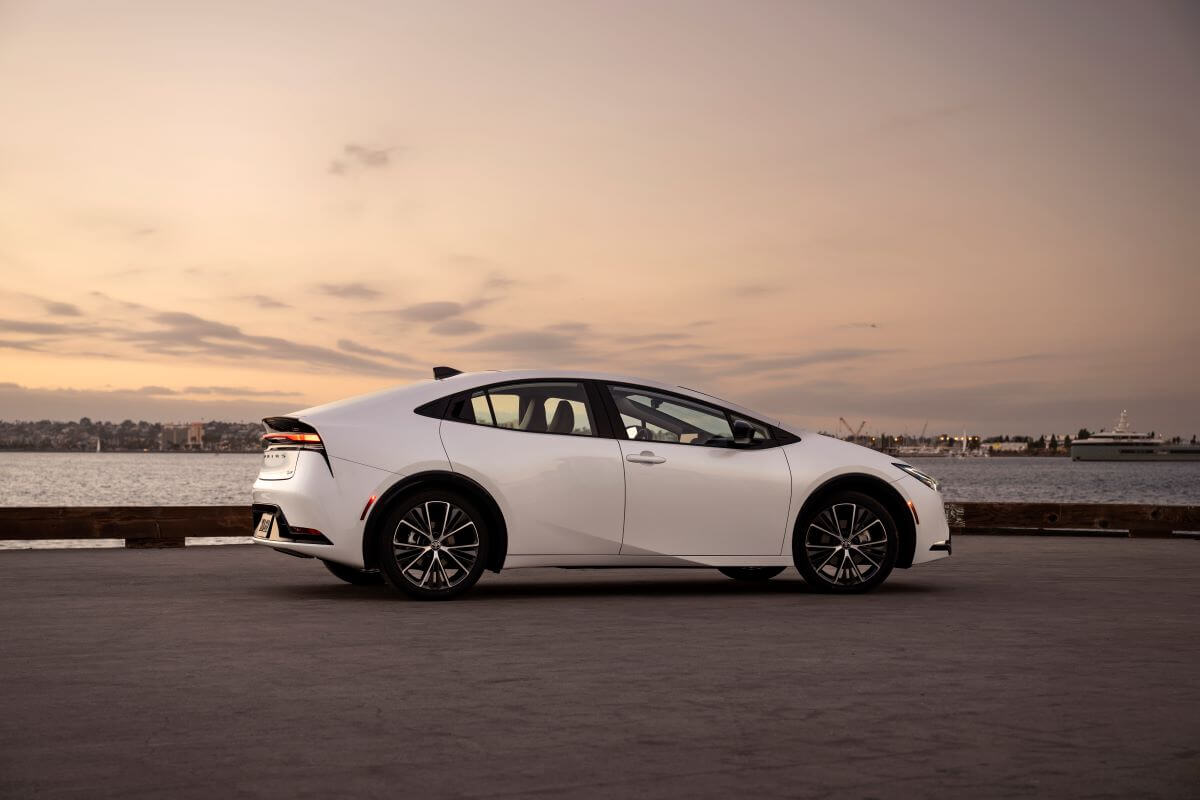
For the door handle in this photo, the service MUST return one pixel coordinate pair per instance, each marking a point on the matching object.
(644, 457)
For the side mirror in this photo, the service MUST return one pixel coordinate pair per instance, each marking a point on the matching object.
(743, 432)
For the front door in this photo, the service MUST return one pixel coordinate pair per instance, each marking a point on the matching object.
(689, 491)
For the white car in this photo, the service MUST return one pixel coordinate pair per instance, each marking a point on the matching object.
(426, 486)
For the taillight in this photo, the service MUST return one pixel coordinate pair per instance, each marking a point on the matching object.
(303, 441)
(289, 433)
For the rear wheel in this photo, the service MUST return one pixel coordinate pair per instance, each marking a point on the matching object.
(358, 577)
(434, 545)
(750, 574)
(848, 544)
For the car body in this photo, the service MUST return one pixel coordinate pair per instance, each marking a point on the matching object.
(579, 469)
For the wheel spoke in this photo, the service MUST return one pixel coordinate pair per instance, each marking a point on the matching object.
(822, 530)
(827, 560)
(467, 524)
(428, 569)
(857, 571)
(874, 563)
(460, 564)
(415, 528)
(414, 560)
(868, 526)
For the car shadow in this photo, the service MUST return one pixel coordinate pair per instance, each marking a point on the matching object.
(621, 584)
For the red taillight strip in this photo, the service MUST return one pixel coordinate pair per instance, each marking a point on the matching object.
(278, 436)
(367, 507)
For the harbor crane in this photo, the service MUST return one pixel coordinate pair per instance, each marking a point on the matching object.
(853, 433)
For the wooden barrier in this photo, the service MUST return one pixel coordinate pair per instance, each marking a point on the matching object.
(139, 526)
(1089, 519)
(169, 526)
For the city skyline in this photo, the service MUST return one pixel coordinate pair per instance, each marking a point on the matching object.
(908, 213)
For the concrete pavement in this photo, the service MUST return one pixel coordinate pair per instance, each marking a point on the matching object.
(1022, 666)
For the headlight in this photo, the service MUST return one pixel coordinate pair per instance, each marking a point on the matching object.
(928, 480)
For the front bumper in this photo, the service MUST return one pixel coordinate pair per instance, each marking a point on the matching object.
(933, 532)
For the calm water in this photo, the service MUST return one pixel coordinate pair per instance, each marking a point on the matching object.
(148, 479)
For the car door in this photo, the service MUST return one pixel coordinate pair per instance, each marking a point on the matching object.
(534, 446)
(689, 490)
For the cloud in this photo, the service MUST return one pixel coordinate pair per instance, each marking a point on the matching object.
(530, 342)
(754, 289)
(455, 327)
(859, 325)
(240, 391)
(830, 356)
(152, 403)
(123, 303)
(650, 338)
(358, 157)
(186, 335)
(431, 312)
(363, 350)
(498, 280)
(228, 391)
(264, 301)
(33, 345)
(60, 309)
(350, 291)
(569, 327)
(42, 328)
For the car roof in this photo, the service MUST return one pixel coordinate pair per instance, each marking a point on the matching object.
(427, 390)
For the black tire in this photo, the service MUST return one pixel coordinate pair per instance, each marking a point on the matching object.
(440, 566)
(750, 574)
(358, 577)
(839, 546)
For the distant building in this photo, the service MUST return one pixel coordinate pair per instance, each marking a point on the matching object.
(173, 437)
(195, 436)
(1008, 447)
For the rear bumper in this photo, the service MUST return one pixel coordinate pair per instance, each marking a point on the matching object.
(314, 500)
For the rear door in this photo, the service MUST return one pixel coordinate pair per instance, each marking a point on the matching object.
(689, 490)
(534, 445)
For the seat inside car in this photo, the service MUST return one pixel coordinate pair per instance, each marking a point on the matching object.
(564, 418)
(535, 416)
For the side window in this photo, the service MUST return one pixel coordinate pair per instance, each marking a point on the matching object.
(544, 407)
(650, 416)
(480, 410)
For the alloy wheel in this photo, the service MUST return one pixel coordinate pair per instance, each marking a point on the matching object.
(436, 545)
(846, 544)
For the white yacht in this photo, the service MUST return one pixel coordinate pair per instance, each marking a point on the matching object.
(1123, 444)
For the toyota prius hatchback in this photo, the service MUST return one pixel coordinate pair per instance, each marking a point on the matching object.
(426, 486)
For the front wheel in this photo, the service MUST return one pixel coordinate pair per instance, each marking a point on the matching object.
(434, 545)
(848, 544)
(358, 577)
(750, 574)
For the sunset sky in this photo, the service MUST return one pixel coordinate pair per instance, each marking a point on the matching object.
(976, 214)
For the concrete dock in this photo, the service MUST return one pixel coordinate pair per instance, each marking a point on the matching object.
(1022, 666)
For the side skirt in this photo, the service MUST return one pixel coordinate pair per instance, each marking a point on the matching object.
(625, 562)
